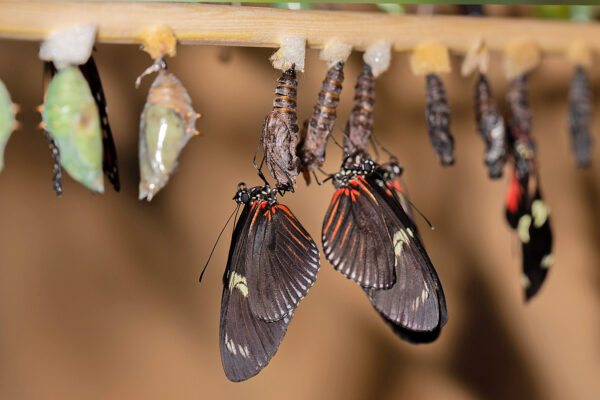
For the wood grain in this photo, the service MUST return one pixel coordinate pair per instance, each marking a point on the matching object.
(263, 27)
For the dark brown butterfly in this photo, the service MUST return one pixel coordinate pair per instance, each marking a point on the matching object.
(580, 115)
(437, 116)
(368, 237)
(527, 213)
(272, 264)
(316, 131)
(280, 133)
(491, 127)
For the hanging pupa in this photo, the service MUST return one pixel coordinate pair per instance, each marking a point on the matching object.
(69, 113)
(280, 132)
(167, 122)
(7, 120)
(316, 130)
(580, 103)
(580, 116)
(430, 59)
(360, 123)
(490, 123)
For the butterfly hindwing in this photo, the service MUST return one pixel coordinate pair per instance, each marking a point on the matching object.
(355, 239)
(283, 262)
(247, 342)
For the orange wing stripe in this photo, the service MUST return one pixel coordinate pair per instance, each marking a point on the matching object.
(335, 207)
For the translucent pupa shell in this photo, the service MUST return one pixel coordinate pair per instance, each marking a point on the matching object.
(167, 123)
(7, 120)
(71, 117)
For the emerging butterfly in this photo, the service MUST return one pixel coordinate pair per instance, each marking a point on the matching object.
(526, 212)
(370, 239)
(272, 264)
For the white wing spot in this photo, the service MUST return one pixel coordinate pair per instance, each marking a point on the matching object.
(238, 281)
(523, 228)
(547, 261)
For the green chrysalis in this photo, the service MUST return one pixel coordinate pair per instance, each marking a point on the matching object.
(167, 123)
(7, 120)
(71, 116)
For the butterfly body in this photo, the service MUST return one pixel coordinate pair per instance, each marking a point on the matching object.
(272, 264)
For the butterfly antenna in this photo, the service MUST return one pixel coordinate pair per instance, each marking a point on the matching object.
(235, 211)
(257, 167)
(420, 213)
(377, 143)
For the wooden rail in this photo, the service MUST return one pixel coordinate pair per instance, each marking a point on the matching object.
(204, 24)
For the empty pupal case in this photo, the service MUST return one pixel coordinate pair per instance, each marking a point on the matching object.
(7, 120)
(168, 121)
(71, 116)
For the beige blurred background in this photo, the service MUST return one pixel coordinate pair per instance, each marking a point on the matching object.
(99, 295)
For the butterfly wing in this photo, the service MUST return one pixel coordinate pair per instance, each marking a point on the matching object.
(537, 251)
(416, 302)
(247, 342)
(283, 262)
(355, 238)
(109, 154)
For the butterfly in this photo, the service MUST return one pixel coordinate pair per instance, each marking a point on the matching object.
(369, 238)
(527, 213)
(272, 264)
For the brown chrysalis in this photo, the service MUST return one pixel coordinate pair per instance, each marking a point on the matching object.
(437, 116)
(580, 115)
(316, 131)
(280, 133)
(519, 121)
(360, 122)
(491, 127)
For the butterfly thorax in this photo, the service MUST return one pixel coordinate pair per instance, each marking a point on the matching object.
(347, 174)
(245, 195)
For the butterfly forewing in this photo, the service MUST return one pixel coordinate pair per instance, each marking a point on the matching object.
(355, 239)
(283, 262)
(247, 342)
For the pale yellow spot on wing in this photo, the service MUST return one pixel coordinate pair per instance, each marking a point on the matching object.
(539, 212)
(523, 228)
(238, 281)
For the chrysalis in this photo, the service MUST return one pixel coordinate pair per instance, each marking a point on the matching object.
(317, 129)
(7, 120)
(71, 117)
(491, 127)
(360, 123)
(280, 133)
(519, 122)
(167, 123)
(437, 116)
(580, 115)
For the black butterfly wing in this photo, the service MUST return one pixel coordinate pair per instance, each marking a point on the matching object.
(416, 302)
(109, 161)
(283, 262)
(537, 251)
(247, 342)
(355, 238)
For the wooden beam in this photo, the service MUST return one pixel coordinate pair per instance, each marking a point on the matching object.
(224, 25)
